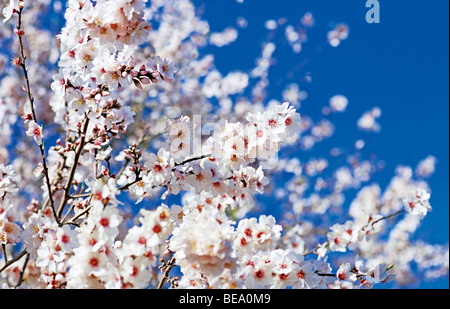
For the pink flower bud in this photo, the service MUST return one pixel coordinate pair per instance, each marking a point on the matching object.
(145, 80)
(19, 32)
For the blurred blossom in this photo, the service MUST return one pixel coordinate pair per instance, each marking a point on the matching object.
(338, 103)
(426, 167)
(338, 34)
(223, 38)
(367, 122)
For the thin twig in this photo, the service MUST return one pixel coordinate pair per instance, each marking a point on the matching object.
(74, 167)
(84, 211)
(139, 178)
(192, 159)
(13, 260)
(23, 270)
(168, 268)
(311, 251)
(31, 99)
(4, 252)
(389, 216)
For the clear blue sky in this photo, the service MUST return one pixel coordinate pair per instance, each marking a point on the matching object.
(400, 65)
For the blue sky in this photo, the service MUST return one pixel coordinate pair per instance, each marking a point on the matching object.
(400, 65)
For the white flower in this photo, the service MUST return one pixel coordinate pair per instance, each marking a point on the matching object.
(372, 271)
(102, 154)
(48, 257)
(35, 229)
(106, 220)
(426, 167)
(341, 236)
(166, 68)
(36, 131)
(305, 275)
(158, 168)
(157, 225)
(367, 122)
(345, 272)
(9, 9)
(59, 83)
(419, 203)
(8, 179)
(338, 103)
(257, 274)
(135, 273)
(104, 193)
(66, 238)
(9, 232)
(338, 34)
(251, 235)
(200, 179)
(202, 238)
(282, 267)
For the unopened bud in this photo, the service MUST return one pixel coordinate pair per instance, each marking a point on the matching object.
(145, 80)
(19, 32)
(16, 61)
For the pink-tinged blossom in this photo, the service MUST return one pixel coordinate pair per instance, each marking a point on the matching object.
(418, 204)
(345, 272)
(9, 9)
(338, 34)
(35, 230)
(8, 179)
(9, 232)
(66, 238)
(165, 68)
(253, 235)
(305, 275)
(338, 103)
(193, 246)
(367, 122)
(35, 131)
(257, 270)
(105, 219)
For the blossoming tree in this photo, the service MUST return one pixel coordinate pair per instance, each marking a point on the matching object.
(120, 115)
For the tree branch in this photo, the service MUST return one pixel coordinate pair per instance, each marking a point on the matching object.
(168, 267)
(20, 33)
(74, 167)
(13, 260)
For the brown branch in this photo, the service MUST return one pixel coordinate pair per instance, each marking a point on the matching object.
(387, 217)
(22, 57)
(191, 159)
(13, 260)
(78, 215)
(124, 187)
(311, 251)
(74, 167)
(139, 178)
(168, 267)
(24, 267)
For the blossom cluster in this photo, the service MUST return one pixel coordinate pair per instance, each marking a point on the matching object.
(133, 149)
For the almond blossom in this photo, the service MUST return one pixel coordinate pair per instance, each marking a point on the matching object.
(158, 170)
